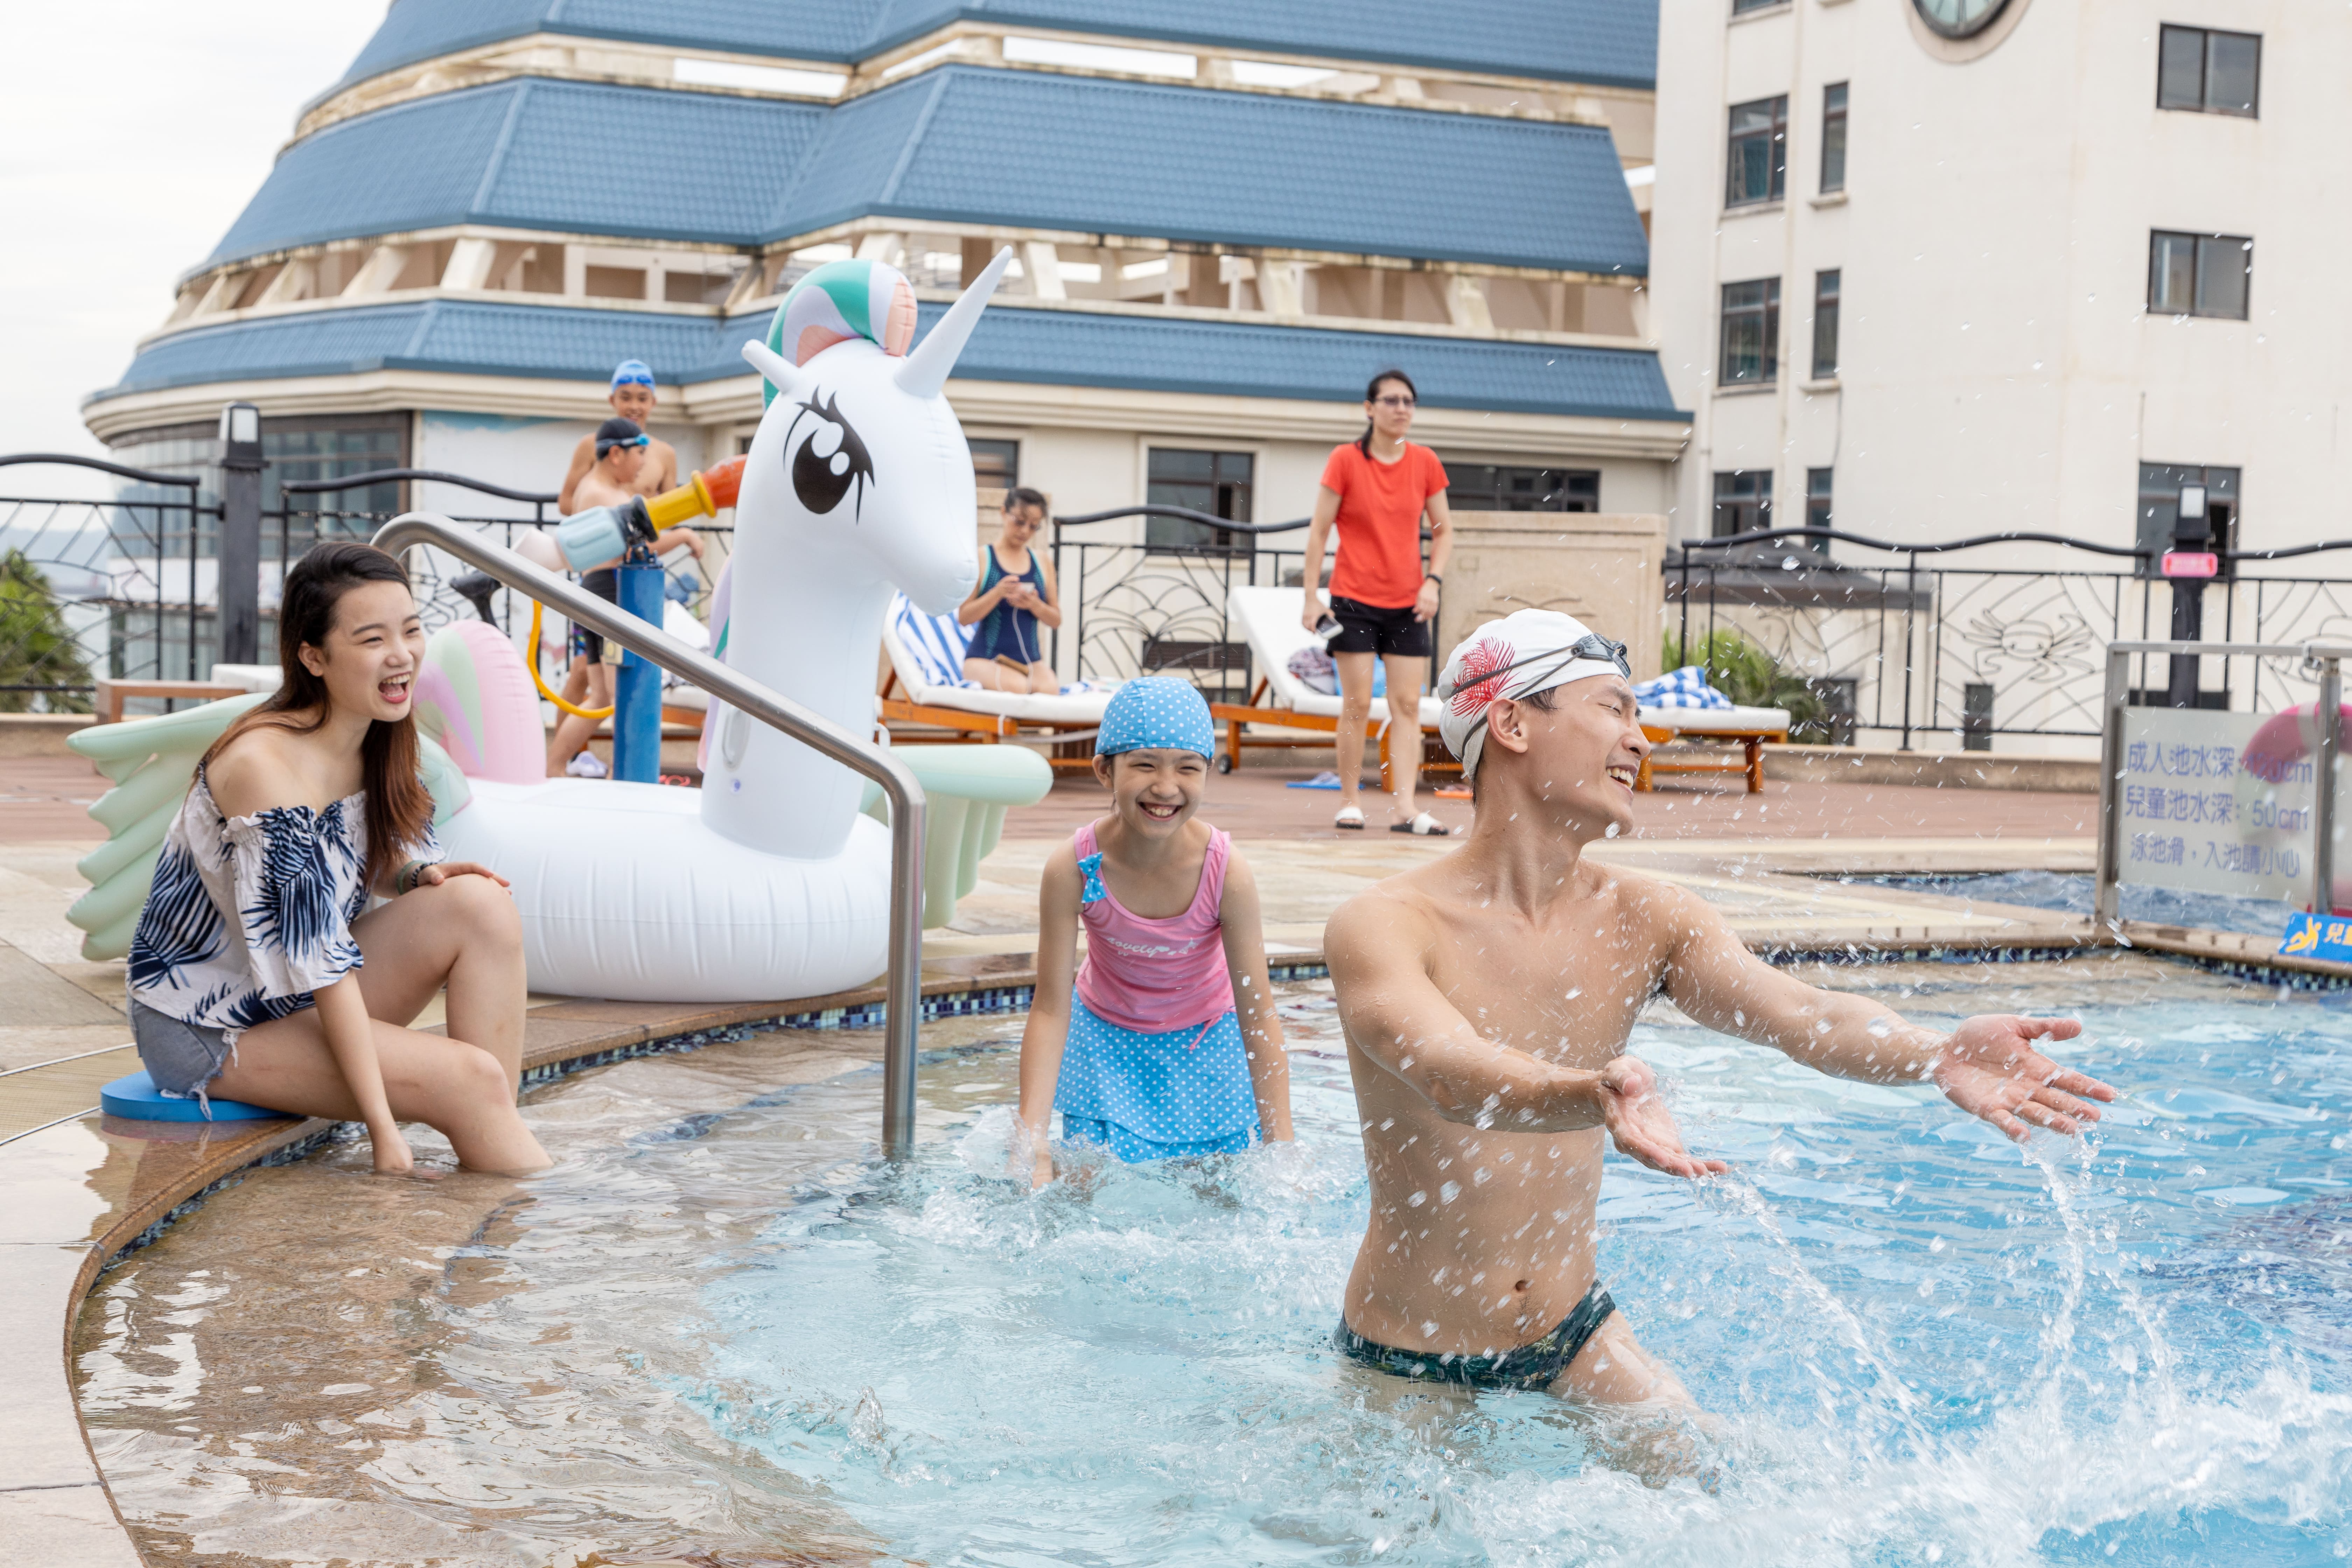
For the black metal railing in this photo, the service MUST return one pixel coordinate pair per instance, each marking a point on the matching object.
(1910, 649)
(1142, 607)
(100, 589)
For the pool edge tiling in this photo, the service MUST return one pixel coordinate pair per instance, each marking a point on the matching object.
(85, 1191)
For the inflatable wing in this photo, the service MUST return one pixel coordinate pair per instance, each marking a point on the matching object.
(151, 763)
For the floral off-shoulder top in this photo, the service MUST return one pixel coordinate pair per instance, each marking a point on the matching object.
(249, 915)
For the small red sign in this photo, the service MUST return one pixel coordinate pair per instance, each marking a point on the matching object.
(2191, 563)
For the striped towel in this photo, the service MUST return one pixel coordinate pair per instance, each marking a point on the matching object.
(1684, 688)
(937, 644)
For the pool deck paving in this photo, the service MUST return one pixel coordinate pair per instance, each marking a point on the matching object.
(82, 1188)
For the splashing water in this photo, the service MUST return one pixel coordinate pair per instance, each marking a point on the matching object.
(1925, 1344)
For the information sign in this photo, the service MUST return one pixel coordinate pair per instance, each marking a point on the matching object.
(2199, 813)
(2317, 936)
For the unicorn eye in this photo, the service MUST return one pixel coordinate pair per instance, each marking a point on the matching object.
(830, 460)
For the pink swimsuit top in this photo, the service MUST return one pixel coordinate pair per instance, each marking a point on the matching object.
(1152, 976)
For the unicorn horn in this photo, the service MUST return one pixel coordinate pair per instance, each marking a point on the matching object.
(926, 370)
(771, 363)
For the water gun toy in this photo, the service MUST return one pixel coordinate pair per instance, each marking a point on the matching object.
(598, 534)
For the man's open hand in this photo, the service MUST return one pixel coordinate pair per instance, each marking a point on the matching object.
(1640, 1124)
(1990, 1068)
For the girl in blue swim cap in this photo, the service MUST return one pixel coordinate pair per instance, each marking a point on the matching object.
(1164, 1043)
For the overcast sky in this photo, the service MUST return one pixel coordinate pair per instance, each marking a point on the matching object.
(132, 135)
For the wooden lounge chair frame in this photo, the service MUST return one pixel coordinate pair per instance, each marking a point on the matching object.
(1750, 762)
(991, 729)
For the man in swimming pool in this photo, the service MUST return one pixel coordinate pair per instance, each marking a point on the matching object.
(1488, 997)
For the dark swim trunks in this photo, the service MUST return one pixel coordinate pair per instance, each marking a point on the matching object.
(586, 644)
(1527, 1367)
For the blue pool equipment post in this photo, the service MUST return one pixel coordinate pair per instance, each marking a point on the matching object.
(636, 686)
(135, 1097)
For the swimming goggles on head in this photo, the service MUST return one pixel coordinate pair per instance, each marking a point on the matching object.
(604, 447)
(632, 372)
(1592, 645)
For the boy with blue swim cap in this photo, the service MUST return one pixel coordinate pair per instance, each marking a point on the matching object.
(613, 463)
(1164, 1043)
(631, 395)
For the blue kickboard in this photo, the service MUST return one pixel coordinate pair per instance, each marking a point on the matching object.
(136, 1099)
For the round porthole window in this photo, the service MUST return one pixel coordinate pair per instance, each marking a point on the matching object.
(1958, 18)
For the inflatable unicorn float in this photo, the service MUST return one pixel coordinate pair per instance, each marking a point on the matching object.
(772, 879)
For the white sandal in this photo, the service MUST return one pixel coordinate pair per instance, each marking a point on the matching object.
(1350, 817)
(1424, 826)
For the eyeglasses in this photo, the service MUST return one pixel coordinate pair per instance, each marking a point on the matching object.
(1393, 401)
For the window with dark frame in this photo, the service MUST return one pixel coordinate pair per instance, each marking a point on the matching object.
(2209, 72)
(1743, 501)
(1484, 487)
(995, 464)
(1758, 161)
(1751, 332)
(1218, 483)
(2200, 274)
(1740, 7)
(1834, 138)
(1825, 324)
(1818, 512)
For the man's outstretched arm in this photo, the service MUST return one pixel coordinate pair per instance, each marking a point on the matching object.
(1393, 1011)
(1988, 1067)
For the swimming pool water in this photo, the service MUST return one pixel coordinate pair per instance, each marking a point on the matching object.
(2074, 892)
(719, 1331)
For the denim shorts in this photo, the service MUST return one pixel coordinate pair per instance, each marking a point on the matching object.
(183, 1059)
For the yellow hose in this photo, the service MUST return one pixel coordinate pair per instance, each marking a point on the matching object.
(548, 691)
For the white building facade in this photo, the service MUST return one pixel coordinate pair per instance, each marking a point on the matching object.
(1932, 269)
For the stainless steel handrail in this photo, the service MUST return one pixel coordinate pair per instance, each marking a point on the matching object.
(899, 786)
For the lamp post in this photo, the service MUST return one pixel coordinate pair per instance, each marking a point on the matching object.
(238, 560)
(2189, 565)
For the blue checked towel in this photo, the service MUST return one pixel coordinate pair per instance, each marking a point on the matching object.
(1684, 688)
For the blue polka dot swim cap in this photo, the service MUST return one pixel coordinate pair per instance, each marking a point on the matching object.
(1153, 713)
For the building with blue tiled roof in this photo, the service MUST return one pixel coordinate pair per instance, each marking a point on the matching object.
(1227, 215)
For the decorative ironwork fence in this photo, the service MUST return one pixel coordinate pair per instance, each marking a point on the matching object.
(128, 589)
(1138, 608)
(1908, 649)
(102, 588)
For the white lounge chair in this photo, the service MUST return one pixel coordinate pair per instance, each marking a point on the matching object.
(927, 653)
(1267, 619)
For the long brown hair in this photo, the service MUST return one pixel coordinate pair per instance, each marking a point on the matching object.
(398, 807)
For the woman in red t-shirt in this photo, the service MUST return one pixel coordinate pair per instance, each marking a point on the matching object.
(1376, 489)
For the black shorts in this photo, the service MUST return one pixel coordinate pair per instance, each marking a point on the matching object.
(1376, 628)
(590, 645)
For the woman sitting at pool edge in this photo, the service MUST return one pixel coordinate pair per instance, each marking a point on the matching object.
(253, 973)
(1014, 597)
(1166, 1044)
